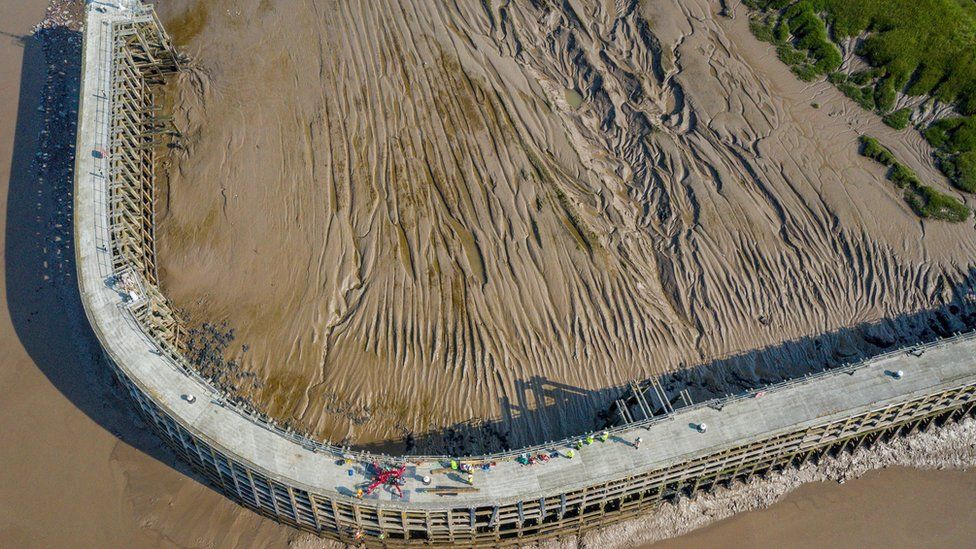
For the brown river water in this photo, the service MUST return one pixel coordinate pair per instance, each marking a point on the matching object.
(78, 470)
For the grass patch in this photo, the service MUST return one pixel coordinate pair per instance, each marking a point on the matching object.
(810, 34)
(805, 72)
(955, 142)
(898, 119)
(762, 30)
(790, 55)
(871, 148)
(801, 38)
(926, 47)
(917, 47)
(930, 203)
(960, 169)
(953, 134)
(885, 95)
(862, 95)
(964, 171)
(924, 200)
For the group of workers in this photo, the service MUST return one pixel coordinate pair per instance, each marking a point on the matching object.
(525, 459)
(468, 469)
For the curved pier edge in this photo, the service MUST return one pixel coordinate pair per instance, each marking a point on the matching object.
(313, 486)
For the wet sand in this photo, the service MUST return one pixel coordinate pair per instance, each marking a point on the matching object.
(413, 216)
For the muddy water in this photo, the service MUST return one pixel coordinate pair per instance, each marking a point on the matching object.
(412, 215)
(889, 508)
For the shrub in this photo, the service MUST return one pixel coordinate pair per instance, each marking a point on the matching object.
(811, 34)
(924, 79)
(805, 72)
(963, 138)
(837, 78)
(884, 95)
(937, 134)
(762, 30)
(862, 96)
(782, 32)
(924, 200)
(927, 44)
(898, 119)
(903, 176)
(955, 142)
(964, 171)
(967, 105)
(930, 203)
(863, 77)
(871, 148)
(953, 134)
(790, 55)
(767, 4)
(923, 46)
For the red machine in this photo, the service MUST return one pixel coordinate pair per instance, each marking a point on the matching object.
(387, 477)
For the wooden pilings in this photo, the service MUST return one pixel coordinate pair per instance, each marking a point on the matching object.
(142, 56)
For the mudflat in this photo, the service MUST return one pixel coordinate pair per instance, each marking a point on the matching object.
(398, 218)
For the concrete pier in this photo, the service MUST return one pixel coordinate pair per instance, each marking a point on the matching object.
(310, 484)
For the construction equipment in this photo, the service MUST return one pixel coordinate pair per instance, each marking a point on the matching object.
(392, 477)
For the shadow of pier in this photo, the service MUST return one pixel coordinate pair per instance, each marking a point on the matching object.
(42, 294)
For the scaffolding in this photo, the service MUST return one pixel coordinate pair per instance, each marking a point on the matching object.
(142, 57)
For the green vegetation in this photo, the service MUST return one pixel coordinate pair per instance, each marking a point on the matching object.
(800, 36)
(953, 134)
(924, 47)
(930, 203)
(790, 55)
(898, 119)
(810, 33)
(805, 72)
(885, 95)
(762, 31)
(954, 140)
(863, 95)
(925, 201)
(876, 151)
(916, 47)
(961, 170)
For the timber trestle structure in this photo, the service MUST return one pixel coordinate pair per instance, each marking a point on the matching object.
(558, 514)
(306, 483)
(142, 56)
